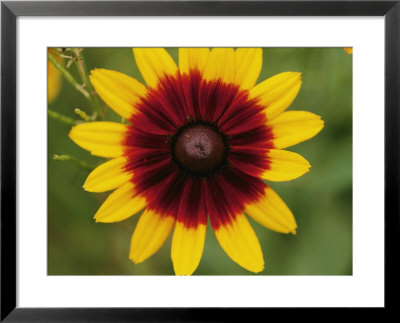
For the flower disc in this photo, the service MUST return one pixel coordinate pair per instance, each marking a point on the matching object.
(199, 149)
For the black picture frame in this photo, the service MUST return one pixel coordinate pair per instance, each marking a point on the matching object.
(10, 10)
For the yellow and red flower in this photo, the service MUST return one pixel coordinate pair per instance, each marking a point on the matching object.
(201, 139)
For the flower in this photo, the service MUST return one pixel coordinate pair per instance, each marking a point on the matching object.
(348, 50)
(53, 78)
(201, 139)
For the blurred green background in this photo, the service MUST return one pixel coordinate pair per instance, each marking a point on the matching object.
(320, 200)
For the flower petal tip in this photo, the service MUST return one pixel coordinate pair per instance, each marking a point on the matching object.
(297, 79)
(71, 132)
(292, 229)
(93, 74)
(182, 271)
(318, 128)
(86, 187)
(182, 274)
(348, 50)
(257, 268)
(99, 217)
(298, 76)
(102, 219)
(135, 259)
(96, 72)
(184, 268)
(322, 123)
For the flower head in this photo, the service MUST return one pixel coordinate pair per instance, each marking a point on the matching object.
(201, 139)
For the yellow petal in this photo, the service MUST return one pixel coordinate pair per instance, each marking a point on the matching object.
(119, 91)
(291, 127)
(277, 93)
(108, 176)
(348, 50)
(151, 232)
(248, 66)
(220, 65)
(101, 138)
(120, 205)
(272, 212)
(285, 165)
(54, 78)
(193, 59)
(241, 244)
(187, 248)
(154, 64)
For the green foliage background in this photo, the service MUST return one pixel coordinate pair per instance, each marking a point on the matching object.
(320, 200)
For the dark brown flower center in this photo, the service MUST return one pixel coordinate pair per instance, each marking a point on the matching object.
(200, 148)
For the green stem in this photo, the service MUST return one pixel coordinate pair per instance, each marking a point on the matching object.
(62, 118)
(78, 162)
(81, 65)
(82, 114)
(68, 77)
